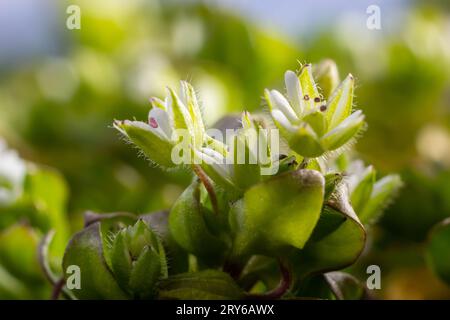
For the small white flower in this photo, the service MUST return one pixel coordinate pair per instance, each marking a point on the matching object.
(311, 125)
(12, 175)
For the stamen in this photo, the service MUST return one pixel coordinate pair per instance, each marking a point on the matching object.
(306, 97)
(152, 122)
(323, 108)
(317, 99)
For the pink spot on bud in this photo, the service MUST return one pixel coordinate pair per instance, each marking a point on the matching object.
(152, 122)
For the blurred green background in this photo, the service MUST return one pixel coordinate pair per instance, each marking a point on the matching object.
(60, 89)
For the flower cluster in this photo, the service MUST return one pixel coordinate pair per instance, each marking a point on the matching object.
(254, 208)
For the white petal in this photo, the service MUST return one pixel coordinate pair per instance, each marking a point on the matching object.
(216, 164)
(13, 171)
(159, 119)
(282, 120)
(282, 104)
(294, 91)
(217, 156)
(156, 131)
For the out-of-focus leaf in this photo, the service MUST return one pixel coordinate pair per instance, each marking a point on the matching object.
(204, 285)
(85, 250)
(382, 194)
(18, 252)
(327, 76)
(48, 192)
(11, 287)
(277, 213)
(438, 250)
(362, 192)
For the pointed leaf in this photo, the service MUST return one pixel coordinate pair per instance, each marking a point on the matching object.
(346, 131)
(362, 192)
(384, 190)
(340, 103)
(145, 274)
(154, 146)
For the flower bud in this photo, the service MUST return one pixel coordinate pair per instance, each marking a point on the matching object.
(138, 260)
(327, 76)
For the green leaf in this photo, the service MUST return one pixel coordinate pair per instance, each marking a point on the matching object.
(438, 248)
(340, 103)
(145, 274)
(277, 213)
(85, 250)
(384, 190)
(204, 285)
(121, 262)
(336, 242)
(188, 226)
(110, 225)
(11, 287)
(346, 131)
(155, 147)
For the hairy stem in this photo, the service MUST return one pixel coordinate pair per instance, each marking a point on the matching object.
(208, 186)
